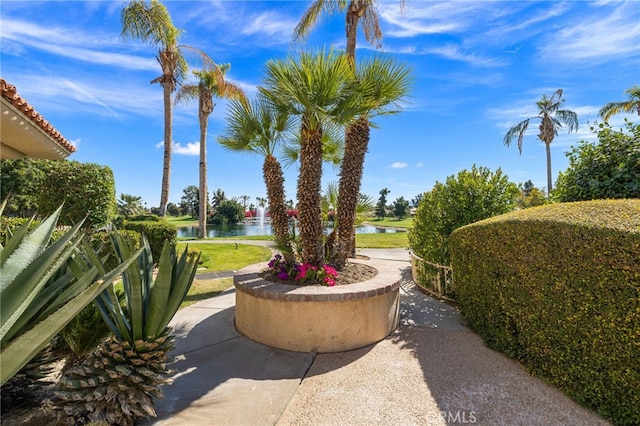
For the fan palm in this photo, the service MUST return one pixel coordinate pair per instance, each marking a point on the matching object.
(381, 85)
(552, 119)
(129, 205)
(259, 128)
(211, 83)
(363, 12)
(152, 23)
(633, 104)
(313, 87)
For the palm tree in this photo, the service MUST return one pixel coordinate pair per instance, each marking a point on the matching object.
(381, 84)
(129, 205)
(152, 23)
(363, 12)
(552, 118)
(356, 10)
(211, 83)
(314, 88)
(258, 128)
(632, 104)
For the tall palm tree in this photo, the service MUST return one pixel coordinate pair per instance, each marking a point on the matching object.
(152, 23)
(314, 88)
(633, 104)
(363, 12)
(552, 119)
(258, 128)
(211, 83)
(382, 83)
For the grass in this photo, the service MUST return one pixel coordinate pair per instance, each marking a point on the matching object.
(205, 289)
(182, 220)
(383, 240)
(407, 222)
(226, 257)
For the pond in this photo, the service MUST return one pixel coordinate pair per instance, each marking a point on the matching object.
(242, 230)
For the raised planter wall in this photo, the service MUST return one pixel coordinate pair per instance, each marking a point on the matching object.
(316, 318)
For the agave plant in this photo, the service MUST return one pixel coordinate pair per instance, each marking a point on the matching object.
(118, 381)
(36, 301)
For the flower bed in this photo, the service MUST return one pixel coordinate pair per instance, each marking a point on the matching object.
(316, 318)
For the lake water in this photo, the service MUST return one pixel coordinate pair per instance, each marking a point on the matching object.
(242, 230)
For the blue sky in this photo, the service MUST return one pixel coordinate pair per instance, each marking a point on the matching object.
(478, 68)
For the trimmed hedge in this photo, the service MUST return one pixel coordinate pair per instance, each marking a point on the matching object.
(558, 288)
(157, 233)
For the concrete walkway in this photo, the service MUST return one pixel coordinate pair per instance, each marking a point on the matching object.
(431, 371)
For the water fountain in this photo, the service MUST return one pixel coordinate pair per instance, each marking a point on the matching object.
(260, 216)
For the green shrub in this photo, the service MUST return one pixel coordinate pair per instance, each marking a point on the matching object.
(467, 197)
(102, 237)
(87, 190)
(145, 218)
(157, 233)
(14, 223)
(558, 288)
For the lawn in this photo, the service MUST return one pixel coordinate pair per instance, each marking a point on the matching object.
(383, 240)
(226, 257)
(204, 289)
(182, 220)
(391, 222)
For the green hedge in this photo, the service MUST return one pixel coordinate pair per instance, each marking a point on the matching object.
(15, 223)
(157, 233)
(558, 288)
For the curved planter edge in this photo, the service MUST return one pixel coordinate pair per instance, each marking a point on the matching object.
(317, 318)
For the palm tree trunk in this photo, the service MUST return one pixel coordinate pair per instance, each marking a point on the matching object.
(549, 181)
(168, 138)
(202, 214)
(274, 179)
(309, 188)
(356, 142)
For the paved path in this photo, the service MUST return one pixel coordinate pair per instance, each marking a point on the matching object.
(431, 371)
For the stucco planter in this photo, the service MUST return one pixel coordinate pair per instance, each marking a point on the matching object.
(316, 318)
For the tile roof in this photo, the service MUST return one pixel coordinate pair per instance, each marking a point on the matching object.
(10, 93)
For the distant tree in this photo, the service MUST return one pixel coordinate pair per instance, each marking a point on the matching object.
(467, 197)
(552, 118)
(400, 208)
(218, 198)
(190, 203)
(381, 207)
(416, 200)
(633, 104)
(530, 196)
(129, 205)
(262, 202)
(607, 168)
(228, 212)
(244, 199)
(172, 209)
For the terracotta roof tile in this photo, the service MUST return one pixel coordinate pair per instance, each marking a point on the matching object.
(10, 93)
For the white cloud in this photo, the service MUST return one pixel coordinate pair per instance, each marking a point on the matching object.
(419, 164)
(72, 44)
(398, 165)
(191, 148)
(597, 38)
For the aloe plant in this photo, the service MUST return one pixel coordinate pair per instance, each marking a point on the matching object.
(36, 300)
(118, 381)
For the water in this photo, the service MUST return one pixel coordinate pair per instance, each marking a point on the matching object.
(260, 228)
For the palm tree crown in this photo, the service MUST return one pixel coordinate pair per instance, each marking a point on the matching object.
(358, 11)
(211, 83)
(613, 108)
(552, 119)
